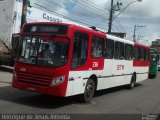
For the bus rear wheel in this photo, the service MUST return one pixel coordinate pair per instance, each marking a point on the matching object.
(133, 81)
(89, 91)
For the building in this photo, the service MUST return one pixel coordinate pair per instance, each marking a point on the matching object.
(156, 44)
(118, 34)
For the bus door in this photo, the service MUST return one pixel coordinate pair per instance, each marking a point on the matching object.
(78, 63)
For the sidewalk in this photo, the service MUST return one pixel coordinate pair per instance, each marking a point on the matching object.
(6, 67)
(5, 76)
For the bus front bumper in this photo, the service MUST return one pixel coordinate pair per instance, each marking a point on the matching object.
(50, 90)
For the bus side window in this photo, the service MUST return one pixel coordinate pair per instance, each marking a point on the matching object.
(80, 47)
(119, 50)
(109, 49)
(146, 55)
(128, 52)
(139, 53)
(142, 54)
(97, 47)
(135, 53)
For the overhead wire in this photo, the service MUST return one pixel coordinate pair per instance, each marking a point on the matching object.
(137, 15)
(74, 11)
(95, 6)
(120, 25)
(85, 8)
(82, 17)
(85, 18)
(78, 14)
(66, 17)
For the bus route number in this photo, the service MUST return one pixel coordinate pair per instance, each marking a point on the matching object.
(95, 64)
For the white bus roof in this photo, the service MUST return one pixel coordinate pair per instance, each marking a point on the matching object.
(119, 39)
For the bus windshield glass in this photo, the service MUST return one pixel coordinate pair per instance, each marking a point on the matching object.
(43, 51)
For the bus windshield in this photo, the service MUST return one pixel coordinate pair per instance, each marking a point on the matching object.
(43, 51)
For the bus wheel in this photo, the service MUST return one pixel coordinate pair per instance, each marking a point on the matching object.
(133, 82)
(89, 91)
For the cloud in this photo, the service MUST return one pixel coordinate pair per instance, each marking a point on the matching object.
(150, 8)
(96, 13)
(147, 8)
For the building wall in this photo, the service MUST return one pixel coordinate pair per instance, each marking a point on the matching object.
(156, 44)
(3, 48)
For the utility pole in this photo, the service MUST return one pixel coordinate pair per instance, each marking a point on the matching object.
(134, 35)
(135, 28)
(24, 12)
(110, 18)
(115, 7)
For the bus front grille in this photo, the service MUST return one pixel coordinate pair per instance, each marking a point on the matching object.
(34, 79)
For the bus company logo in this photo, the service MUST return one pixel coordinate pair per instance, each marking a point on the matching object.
(95, 64)
(23, 69)
(120, 67)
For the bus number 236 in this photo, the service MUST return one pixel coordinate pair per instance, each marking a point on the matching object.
(95, 64)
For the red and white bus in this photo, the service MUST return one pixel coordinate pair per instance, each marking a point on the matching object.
(76, 60)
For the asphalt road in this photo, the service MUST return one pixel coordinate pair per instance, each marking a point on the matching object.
(144, 98)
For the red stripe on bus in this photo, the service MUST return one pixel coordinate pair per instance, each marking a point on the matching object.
(140, 63)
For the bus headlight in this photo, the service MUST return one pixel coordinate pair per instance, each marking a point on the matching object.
(14, 75)
(57, 81)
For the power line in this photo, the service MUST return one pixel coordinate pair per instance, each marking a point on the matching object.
(119, 23)
(84, 6)
(79, 13)
(97, 21)
(66, 17)
(95, 6)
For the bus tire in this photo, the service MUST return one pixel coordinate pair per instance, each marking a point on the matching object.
(152, 76)
(89, 91)
(133, 82)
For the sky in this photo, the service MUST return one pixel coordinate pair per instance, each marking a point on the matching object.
(96, 13)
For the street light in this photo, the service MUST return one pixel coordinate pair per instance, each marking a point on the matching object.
(126, 8)
(111, 14)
